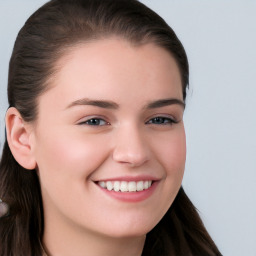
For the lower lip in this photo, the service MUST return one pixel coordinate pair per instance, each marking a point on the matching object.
(131, 196)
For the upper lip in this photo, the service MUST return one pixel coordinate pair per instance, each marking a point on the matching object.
(130, 178)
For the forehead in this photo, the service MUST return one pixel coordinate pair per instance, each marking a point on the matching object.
(117, 69)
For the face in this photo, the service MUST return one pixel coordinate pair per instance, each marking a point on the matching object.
(109, 140)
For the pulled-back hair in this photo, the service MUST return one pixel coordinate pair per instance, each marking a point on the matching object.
(46, 36)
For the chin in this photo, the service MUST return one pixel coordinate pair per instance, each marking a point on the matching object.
(131, 230)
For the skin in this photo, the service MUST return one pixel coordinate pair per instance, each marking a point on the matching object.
(71, 154)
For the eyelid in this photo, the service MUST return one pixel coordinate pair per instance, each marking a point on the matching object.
(83, 121)
(172, 119)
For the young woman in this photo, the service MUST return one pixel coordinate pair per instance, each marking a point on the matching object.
(95, 149)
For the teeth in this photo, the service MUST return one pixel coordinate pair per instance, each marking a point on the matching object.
(132, 186)
(125, 186)
(146, 184)
(109, 185)
(102, 184)
(116, 185)
(140, 185)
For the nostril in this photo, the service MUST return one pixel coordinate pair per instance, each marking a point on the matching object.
(130, 159)
(130, 146)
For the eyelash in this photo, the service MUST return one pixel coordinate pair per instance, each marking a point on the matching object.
(94, 122)
(159, 120)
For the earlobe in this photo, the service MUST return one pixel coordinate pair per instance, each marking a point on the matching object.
(18, 137)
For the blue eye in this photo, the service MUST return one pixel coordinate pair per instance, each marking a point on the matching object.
(95, 122)
(161, 120)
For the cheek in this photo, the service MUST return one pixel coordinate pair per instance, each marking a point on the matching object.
(64, 155)
(177, 153)
(172, 153)
(65, 163)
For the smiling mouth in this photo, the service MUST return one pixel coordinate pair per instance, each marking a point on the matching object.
(125, 186)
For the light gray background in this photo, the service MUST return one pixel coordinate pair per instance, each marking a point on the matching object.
(220, 40)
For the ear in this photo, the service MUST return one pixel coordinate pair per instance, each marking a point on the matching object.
(18, 137)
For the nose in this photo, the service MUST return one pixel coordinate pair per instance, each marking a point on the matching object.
(131, 147)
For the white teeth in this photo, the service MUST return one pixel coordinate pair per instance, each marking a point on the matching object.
(116, 185)
(132, 186)
(146, 185)
(140, 186)
(102, 184)
(125, 186)
(109, 185)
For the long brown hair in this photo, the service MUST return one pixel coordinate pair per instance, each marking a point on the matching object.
(45, 37)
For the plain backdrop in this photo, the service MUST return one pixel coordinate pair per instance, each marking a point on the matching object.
(220, 40)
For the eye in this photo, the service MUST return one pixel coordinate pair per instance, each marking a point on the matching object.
(94, 122)
(159, 120)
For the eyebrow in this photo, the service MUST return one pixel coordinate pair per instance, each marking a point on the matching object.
(112, 105)
(97, 103)
(165, 102)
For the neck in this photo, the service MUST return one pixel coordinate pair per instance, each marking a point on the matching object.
(65, 241)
